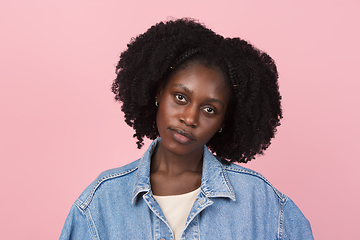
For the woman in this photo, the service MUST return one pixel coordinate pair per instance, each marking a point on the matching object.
(191, 91)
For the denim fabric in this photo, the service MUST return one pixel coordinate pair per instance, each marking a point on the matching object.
(233, 203)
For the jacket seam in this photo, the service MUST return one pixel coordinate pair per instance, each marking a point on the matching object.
(90, 222)
(99, 182)
(92, 227)
(281, 219)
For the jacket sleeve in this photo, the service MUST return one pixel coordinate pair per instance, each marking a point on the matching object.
(294, 225)
(78, 225)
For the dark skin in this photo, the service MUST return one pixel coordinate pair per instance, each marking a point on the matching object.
(192, 108)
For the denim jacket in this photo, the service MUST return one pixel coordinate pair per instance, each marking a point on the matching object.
(233, 203)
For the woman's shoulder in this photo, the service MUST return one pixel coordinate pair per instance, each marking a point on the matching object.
(240, 176)
(112, 178)
(117, 172)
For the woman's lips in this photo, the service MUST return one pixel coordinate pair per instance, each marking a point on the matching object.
(181, 136)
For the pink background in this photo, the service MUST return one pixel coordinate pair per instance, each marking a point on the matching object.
(60, 126)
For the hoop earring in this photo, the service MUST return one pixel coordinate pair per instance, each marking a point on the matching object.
(220, 130)
(156, 102)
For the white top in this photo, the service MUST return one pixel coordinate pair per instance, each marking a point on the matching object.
(176, 209)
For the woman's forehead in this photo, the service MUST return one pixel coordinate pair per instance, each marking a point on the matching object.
(197, 77)
(196, 67)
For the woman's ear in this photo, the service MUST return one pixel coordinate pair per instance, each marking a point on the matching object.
(157, 97)
(159, 93)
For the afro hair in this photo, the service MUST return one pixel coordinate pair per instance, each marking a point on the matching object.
(152, 57)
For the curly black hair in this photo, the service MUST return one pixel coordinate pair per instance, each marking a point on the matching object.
(151, 58)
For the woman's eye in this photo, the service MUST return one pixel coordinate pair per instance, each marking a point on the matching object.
(180, 98)
(209, 110)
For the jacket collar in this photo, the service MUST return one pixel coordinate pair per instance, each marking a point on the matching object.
(214, 181)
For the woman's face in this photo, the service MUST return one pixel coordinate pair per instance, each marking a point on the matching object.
(192, 108)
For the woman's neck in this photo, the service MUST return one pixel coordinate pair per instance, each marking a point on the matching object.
(172, 174)
(174, 164)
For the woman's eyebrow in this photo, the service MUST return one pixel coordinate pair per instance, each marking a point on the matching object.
(191, 92)
(215, 100)
(183, 87)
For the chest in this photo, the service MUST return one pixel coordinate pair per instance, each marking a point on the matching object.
(215, 218)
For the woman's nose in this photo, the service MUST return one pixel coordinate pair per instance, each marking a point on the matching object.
(189, 116)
